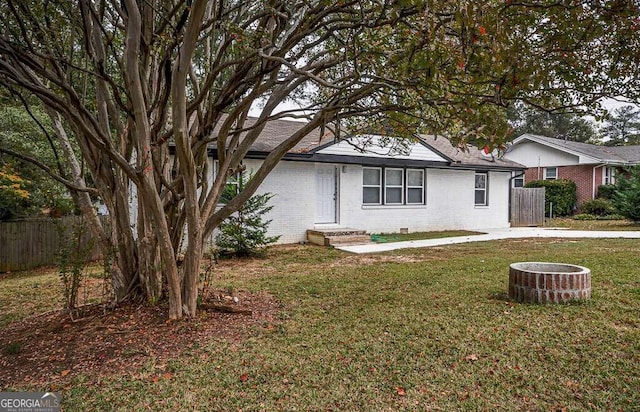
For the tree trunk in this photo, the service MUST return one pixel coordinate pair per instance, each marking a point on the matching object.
(155, 218)
(149, 263)
(125, 262)
(186, 158)
(191, 271)
(121, 280)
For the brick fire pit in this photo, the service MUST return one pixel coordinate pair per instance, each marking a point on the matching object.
(541, 282)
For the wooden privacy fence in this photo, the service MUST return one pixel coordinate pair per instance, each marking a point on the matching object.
(27, 244)
(527, 206)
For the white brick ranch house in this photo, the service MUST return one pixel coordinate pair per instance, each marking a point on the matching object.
(324, 183)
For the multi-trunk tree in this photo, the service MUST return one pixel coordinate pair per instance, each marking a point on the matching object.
(139, 90)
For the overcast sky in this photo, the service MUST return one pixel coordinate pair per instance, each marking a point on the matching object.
(610, 104)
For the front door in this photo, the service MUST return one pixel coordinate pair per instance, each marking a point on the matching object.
(326, 194)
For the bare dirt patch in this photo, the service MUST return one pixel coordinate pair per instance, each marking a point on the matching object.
(362, 260)
(51, 348)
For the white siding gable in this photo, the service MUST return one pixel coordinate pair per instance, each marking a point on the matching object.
(532, 151)
(533, 154)
(374, 147)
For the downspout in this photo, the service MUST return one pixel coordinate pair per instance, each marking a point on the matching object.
(510, 193)
(593, 185)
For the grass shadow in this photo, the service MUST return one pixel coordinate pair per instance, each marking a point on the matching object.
(500, 295)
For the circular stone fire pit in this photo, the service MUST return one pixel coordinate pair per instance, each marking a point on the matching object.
(541, 282)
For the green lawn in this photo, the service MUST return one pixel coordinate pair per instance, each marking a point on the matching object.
(418, 329)
(28, 293)
(569, 223)
(402, 237)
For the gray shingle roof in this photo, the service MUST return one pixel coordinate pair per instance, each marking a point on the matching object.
(605, 154)
(629, 153)
(471, 156)
(276, 131)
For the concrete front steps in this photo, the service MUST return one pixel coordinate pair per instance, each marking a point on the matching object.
(338, 236)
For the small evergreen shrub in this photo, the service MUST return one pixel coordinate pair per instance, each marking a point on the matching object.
(626, 198)
(562, 193)
(245, 232)
(598, 207)
(606, 191)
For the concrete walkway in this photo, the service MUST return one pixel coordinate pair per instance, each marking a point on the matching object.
(491, 234)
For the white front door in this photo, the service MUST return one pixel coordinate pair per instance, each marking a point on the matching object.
(326, 194)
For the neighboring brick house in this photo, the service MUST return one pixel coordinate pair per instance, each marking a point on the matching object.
(588, 165)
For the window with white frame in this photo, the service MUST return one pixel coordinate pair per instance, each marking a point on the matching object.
(232, 186)
(609, 176)
(518, 181)
(372, 186)
(481, 188)
(415, 187)
(393, 186)
(550, 173)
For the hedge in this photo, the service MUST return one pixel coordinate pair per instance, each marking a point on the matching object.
(598, 207)
(606, 191)
(562, 193)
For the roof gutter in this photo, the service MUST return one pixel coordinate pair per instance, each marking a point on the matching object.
(511, 193)
(382, 161)
(593, 185)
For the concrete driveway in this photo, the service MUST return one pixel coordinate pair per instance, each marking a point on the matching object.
(491, 234)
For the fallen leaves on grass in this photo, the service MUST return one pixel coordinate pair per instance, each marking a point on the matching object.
(120, 339)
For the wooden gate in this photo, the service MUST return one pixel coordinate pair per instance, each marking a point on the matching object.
(527, 206)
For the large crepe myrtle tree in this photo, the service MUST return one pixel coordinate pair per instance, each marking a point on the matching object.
(126, 82)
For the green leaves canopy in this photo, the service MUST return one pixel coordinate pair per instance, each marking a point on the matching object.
(623, 127)
(569, 126)
(439, 66)
(24, 190)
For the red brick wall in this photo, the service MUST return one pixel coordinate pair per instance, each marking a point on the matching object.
(533, 173)
(582, 175)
